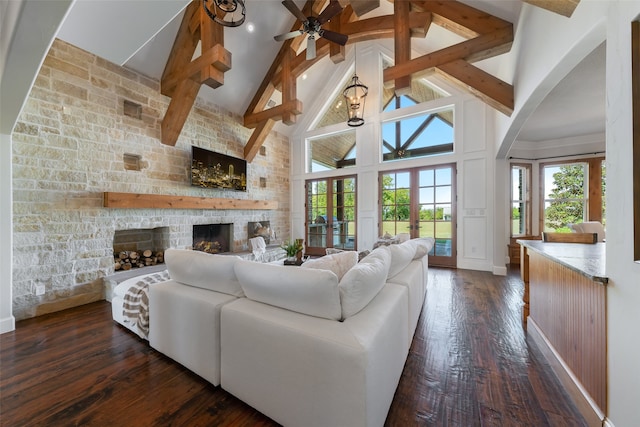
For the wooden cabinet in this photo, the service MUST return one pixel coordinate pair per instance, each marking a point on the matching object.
(514, 248)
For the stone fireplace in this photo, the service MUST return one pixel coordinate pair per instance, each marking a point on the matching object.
(73, 142)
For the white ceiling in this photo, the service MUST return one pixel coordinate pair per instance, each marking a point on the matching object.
(139, 34)
(575, 107)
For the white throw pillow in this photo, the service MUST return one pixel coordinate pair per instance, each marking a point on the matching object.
(203, 270)
(339, 262)
(364, 281)
(403, 237)
(423, 246)
(303, 290)
(401, 256)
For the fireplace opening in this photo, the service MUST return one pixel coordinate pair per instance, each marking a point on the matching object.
(213, 238)
(137, 248)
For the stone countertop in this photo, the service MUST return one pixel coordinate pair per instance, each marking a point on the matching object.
(586, 259)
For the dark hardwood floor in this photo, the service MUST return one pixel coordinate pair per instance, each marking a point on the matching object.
(470, 364)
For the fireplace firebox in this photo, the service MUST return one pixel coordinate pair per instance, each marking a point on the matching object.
(213, 238)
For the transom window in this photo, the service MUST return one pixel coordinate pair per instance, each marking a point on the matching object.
(418, 136)
(331, 152)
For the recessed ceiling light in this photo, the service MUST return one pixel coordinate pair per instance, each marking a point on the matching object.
(250, 27)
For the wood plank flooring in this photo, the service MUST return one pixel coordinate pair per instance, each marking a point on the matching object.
(470, 364)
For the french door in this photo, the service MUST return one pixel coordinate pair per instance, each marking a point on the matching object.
(331, 214)
(422, 202)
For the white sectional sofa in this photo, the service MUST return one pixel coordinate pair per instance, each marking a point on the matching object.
(319, 345)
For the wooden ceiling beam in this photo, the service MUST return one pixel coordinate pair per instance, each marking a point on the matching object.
(257, 138)
(483, 85)
(468, 48)
(402, 43)
(382, 27)
(182, 76)
(360, 7)
(289, 84)
(217, 57)
(337, 52)
(461, 19)
(561, 7)
(183, 48)
(178, 110)
(293, 106)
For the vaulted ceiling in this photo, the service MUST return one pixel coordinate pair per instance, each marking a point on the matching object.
(116, 31)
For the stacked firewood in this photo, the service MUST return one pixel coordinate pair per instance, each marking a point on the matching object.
(126, 260)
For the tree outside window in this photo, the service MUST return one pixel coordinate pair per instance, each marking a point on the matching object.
(565, 196)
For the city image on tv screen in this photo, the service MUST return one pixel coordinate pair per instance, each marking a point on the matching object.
(216, 170)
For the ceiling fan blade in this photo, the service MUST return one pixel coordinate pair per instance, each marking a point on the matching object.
(311, 47)
(289, 4)
(341, 39)
(287, 36)
(330, 11)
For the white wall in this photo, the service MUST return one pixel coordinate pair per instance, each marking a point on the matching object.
(34, 25)
(623, 292)
(473, 156)
(7, 321)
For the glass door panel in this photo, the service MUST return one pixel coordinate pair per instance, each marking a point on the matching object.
(344, 210)
(331, 215)
(422, 202)
(396, 203)
(316, 214)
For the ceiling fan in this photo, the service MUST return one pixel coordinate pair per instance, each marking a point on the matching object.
(312, 26)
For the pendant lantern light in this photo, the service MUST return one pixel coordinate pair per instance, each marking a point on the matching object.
(355, 95)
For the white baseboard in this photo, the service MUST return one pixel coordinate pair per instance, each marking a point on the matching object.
(7, 324)
(499, 271)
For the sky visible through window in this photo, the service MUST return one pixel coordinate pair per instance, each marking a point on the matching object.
(437, 132)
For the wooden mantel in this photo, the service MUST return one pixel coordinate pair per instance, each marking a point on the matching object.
(160, 201)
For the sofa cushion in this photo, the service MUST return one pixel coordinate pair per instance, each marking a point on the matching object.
(423, 245)
(203, 270)
(362, 283)
(339, 262)
(304, 290)
(401, 256)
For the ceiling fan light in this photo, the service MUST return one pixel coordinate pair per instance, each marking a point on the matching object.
(311, 47)
(355, 95)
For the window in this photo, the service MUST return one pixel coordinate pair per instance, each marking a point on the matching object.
(418, 136)
(331, 152)
(573, 192)
(421, 90)
(520, 200)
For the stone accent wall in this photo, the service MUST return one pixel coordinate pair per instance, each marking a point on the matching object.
(69, 147)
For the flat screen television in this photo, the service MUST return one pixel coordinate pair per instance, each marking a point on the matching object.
(216, 170)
